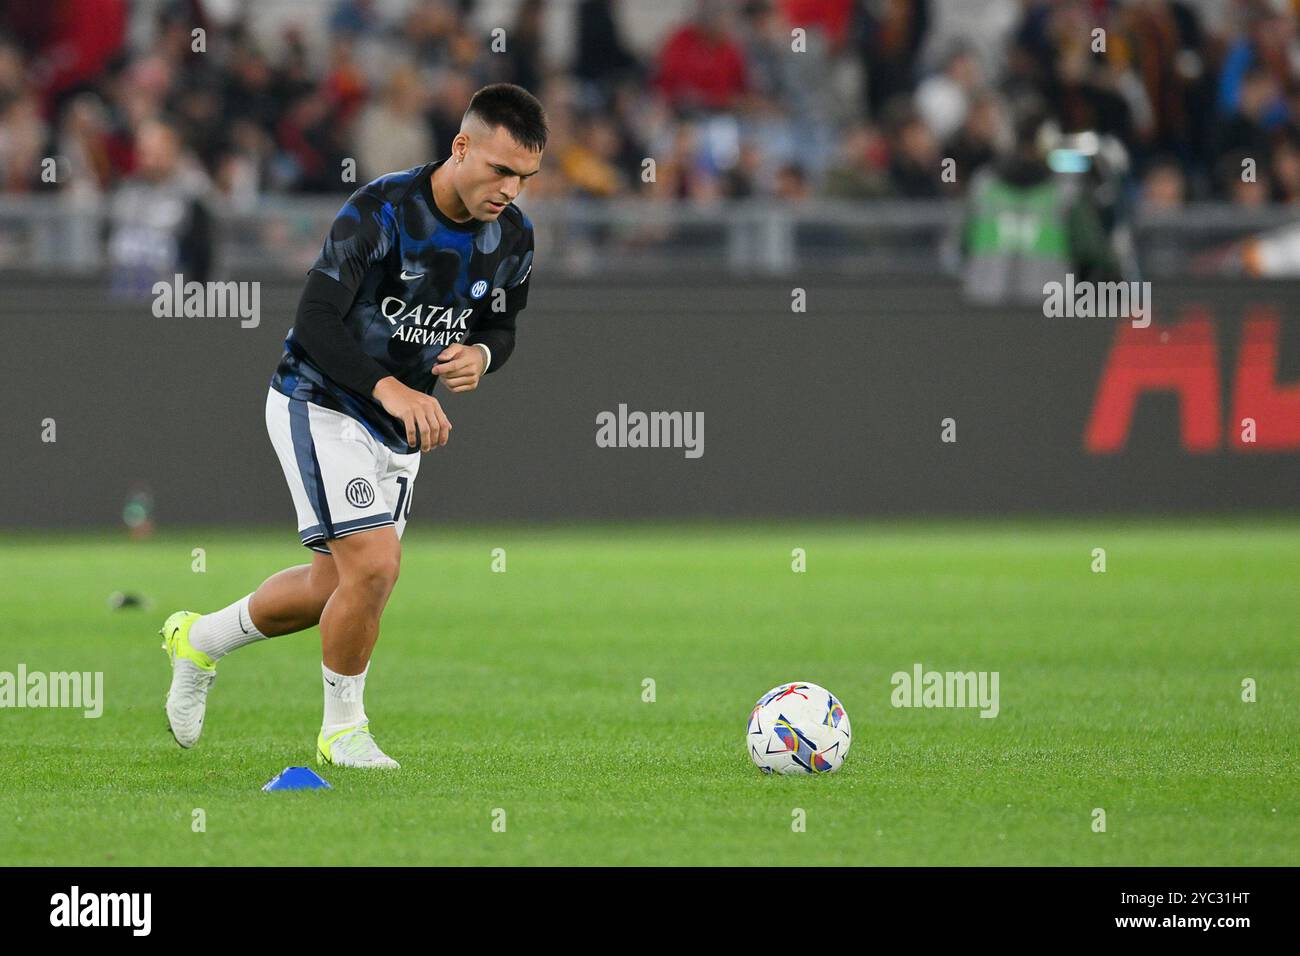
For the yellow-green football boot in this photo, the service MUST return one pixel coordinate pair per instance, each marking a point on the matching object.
(192, 675)
(352, 747)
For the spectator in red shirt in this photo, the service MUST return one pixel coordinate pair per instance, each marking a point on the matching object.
(832, 17)
(701, 65)
(70, 42)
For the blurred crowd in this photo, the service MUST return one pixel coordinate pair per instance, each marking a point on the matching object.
(872, 98)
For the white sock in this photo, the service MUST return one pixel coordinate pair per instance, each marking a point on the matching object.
(219, 633)
(344, 706)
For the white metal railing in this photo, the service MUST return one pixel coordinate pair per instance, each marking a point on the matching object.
(282, 235)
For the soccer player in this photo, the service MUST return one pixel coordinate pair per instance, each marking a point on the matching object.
(420, 278)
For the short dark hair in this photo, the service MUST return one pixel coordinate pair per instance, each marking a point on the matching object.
(511, 106)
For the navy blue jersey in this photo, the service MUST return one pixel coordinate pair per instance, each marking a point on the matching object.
(421, 281)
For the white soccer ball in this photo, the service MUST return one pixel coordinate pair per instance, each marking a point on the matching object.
(798, 728)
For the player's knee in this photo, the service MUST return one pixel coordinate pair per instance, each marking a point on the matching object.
(376, 582)
(376, 574)
(368, 563)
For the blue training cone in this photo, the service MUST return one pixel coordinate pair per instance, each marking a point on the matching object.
(297, 778)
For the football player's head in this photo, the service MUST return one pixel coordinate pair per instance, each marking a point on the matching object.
(498, 149)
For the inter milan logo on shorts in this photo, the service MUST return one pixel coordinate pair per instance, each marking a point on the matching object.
(359, 493)
(478, 289)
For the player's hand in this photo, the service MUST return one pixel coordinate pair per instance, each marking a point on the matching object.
(426, 423)
(460, 366)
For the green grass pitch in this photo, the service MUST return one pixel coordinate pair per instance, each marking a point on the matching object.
(523, 691)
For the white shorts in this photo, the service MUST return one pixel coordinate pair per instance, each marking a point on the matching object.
(343, 479)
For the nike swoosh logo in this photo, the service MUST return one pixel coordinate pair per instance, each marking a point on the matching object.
(408, 276)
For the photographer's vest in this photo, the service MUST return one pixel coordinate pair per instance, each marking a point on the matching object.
(1017, 238)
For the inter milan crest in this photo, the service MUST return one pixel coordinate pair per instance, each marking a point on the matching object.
(360, 493)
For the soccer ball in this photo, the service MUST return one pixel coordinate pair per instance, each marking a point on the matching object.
(798, 728)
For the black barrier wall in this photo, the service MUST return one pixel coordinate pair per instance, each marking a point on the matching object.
(836, 411)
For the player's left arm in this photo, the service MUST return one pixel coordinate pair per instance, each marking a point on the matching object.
(460, 366)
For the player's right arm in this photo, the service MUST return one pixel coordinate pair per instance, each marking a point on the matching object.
(361, 234)
(319, 330)
(426, 423)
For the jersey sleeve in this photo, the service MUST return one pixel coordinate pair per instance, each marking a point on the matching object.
(319, 331)
(517, 283)
(362, 233)
(498, 329)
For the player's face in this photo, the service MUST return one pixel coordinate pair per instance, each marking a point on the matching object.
(494, 172)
